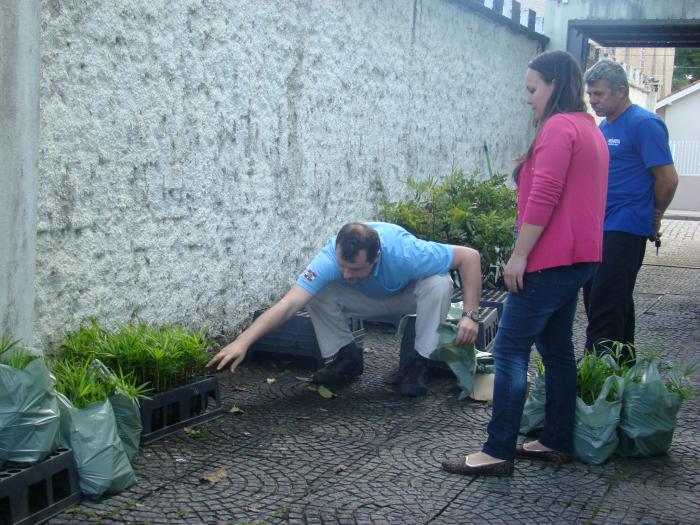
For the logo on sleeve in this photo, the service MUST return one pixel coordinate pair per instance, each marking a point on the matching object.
(613, 142)
(310, 275)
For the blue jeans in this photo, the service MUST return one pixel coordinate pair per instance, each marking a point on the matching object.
(541, 313)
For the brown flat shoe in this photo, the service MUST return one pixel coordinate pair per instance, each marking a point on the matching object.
(552, 456)
(459, 466)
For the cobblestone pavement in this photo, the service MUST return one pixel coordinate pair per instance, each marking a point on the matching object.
(369, 456)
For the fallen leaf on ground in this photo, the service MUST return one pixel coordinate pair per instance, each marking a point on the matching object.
(252, 509)
(236, 410)
(389, 390)
(271, 380)
(303, 379)
(312, 388)
(325, 393)
(368, 350)
(323, 409)
(303, 417)
(215, 476)
(339, 468)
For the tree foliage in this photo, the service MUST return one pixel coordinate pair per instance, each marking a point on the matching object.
(686, 67)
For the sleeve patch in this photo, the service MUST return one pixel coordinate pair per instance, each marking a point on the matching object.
(310, 275)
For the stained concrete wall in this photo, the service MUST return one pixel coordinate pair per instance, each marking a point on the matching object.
(195, 154)
(19, 131)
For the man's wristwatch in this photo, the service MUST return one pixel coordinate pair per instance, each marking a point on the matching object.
(471, 314)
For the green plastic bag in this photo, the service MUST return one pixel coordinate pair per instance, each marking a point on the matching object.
(533, 412)
(129, 426)
(649, 411)
(29, 413)
(126, 412)
(103, 466)
(460, 359)
(595, 427)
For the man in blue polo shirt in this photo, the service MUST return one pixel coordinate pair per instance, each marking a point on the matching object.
(641, 183)
(368, 270)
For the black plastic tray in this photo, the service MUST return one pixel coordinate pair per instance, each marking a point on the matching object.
(494, 299)
(31, 494)
(185, 406)
(297, 338)
(488, 325)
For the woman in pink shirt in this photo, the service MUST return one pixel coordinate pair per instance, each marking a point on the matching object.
(562, 184)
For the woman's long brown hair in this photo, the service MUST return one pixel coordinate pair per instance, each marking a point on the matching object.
(561, 68)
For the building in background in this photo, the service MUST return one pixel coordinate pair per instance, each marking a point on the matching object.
(681, 112)
(653, 64)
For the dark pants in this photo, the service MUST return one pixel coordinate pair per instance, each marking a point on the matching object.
(608, 295)
(541, 313)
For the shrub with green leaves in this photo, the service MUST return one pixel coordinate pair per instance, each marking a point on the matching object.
(162, 357)
(460, 209)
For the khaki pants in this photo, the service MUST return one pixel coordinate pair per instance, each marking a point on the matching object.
(331, 309)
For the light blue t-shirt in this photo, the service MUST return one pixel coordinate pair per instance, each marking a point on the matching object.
(637, 141)
(404, 259)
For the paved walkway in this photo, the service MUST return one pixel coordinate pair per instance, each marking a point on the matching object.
(369, 456)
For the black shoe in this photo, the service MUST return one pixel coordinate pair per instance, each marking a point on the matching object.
(412, 367)
(347, 365)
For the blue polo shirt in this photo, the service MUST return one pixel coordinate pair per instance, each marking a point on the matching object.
(404, 259)
(637, 141)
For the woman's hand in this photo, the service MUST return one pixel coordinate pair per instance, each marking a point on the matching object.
(514, 272)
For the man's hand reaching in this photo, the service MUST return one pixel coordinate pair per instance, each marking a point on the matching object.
(230, 355)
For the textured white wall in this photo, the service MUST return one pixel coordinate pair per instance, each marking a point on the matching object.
(195, 154)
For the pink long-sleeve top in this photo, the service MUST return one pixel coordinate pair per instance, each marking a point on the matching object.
(563, 186)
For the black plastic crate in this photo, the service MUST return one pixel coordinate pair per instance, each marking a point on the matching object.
(488, 324)
(494, 299)
(31, 494)
(185, 406)
(297, 338)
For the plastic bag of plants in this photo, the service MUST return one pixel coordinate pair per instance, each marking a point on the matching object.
(460, 359)
(29, 412)
(533, 412)
(126, 408)
(103, 465)
(595, 426)
(128, 418)
(649, 411)
(89, 426)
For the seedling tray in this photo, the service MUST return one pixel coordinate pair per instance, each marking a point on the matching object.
(297, 338)
(494, 299)
(31, 494)
(488, 324)
(185, 406)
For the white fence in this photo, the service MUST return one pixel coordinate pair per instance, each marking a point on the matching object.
(686, 156)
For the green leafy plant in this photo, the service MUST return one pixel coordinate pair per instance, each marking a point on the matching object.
(83, 383)
(15, 354)
(624, 354)
(591, 374)
(460, 209)
(676, 377)
(162, 357)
